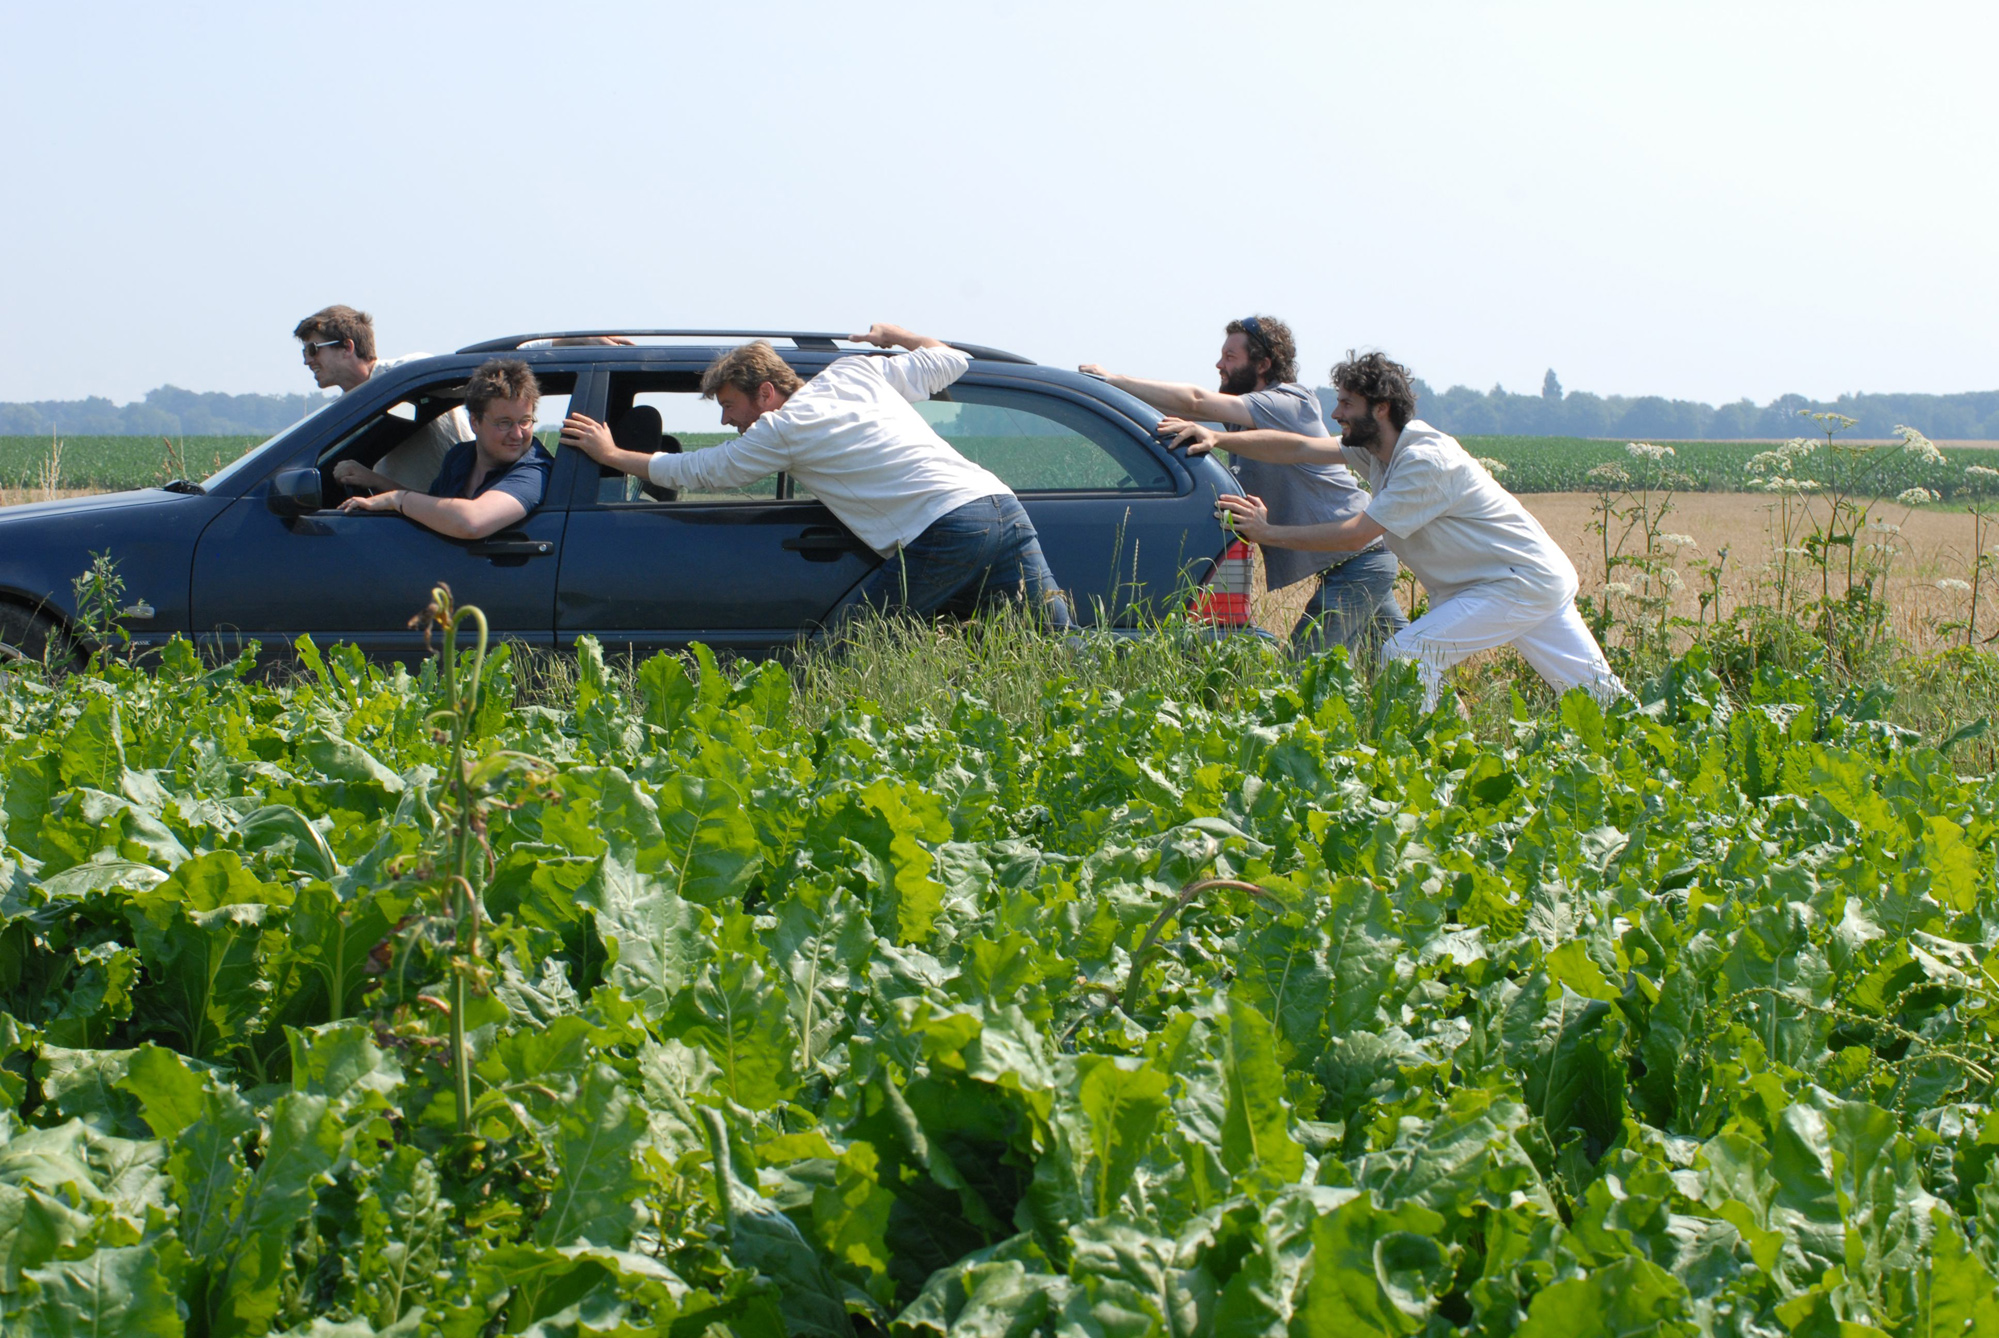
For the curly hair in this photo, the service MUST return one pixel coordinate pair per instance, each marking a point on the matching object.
(1270, 338)
(500, 379)
(338, 322)
(1378, 381)
(748, 367)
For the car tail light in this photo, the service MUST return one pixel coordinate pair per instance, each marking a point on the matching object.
(1223, 599)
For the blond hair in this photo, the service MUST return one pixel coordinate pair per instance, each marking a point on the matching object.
(748, 367)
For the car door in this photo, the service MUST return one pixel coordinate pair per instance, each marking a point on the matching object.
(747, 570)
(262, 573)
(1123, 524)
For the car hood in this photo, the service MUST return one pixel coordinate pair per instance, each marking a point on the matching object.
(136, 499)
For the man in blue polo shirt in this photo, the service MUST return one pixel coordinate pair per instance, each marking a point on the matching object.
(490, 482)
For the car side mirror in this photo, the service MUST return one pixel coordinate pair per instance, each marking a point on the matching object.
(294, 492)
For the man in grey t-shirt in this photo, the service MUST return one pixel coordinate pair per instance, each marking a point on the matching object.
(1354, 604)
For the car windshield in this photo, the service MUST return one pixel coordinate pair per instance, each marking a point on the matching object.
(227, 474)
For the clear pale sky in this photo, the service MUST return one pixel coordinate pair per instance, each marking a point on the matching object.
(1696, 200)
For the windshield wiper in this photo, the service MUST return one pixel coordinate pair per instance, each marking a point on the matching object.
(183, 485)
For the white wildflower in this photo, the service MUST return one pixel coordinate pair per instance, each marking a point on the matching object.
(1918, 497)
(1790, 485)
(1491, 466)
(1918, 445)
(1642, 450)
(1883, 527)
(1670, 578)
(1950, 585)
(1779, 460)
(1609, 472)
(1679, 540)
(1980, 472)
(1618, 588)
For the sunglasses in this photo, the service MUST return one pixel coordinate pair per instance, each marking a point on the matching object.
(311, 350)
(1254, 330)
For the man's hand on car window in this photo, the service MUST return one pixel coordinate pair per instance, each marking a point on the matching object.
(1198, 438)
(583, 433)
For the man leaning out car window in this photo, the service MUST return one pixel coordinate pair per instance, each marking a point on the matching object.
(490, 482)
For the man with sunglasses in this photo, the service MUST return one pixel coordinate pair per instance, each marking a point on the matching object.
(339, 349)
(1354, 604)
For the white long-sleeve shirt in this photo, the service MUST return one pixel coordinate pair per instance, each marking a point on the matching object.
(852, 435)
(414, 461)
(1456, 528)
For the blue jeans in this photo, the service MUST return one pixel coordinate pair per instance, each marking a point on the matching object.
(1354, 606)
(966, 560)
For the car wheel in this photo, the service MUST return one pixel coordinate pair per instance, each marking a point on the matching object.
(29, 635)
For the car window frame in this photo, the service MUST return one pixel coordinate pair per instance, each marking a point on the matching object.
(296, 448)
(583, 492)
(1179, 482)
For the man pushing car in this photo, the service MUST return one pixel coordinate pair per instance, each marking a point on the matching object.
(1494, 576)
(1353, 602)
(954, 538)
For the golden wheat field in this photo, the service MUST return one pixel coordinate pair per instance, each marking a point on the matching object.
(1932, 545)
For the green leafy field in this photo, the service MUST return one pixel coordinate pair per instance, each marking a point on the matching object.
(114, 462)
(1562, 464)
(1668, 1021)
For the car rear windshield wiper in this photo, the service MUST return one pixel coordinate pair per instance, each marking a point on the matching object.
(183, 485)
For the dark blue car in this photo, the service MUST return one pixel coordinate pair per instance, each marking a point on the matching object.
(258, 552)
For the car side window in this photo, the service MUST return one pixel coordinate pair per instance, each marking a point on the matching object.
(1039, 443)
(652, 412)
(408, 439)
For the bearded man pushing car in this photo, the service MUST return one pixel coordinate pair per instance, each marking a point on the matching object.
(1494, 576)
(954, 538)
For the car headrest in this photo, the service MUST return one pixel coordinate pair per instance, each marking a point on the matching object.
(638, 428)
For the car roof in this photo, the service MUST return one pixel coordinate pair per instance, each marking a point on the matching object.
(819, 341)
(809, 350)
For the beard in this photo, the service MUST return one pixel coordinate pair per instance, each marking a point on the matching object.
(1239, 382)
(1362, 434)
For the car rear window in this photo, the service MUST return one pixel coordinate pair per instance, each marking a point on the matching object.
(1039, 443)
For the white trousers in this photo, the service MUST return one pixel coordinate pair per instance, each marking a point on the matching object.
(1556, 642)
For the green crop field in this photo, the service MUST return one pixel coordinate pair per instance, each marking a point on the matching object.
(1562, 464)
(113, 462)
(361, 1005)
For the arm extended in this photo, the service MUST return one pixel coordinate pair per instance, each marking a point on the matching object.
(1252, 522)
(1275, 448)
(455, 517)
(728, 465)
(1179, 398)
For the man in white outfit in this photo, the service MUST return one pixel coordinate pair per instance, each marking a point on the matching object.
(953, 537)
(1494, 576)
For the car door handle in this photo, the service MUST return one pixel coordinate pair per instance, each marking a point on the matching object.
(821, 545)
(516, 548)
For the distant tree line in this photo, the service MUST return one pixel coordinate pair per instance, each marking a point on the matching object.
(1464, 412)
(168, 411)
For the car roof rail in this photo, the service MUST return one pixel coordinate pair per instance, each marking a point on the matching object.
(818, 341)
